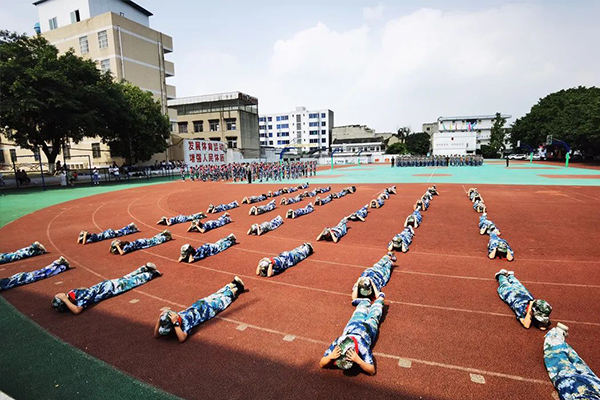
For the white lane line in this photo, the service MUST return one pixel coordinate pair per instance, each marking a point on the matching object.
(289, 338)
(477, 378)
(404, 363)
(431, 176)
(134, 301)
(242, 327)
(58, 283)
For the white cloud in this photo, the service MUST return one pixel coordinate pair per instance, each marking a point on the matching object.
(430, 63)
(374, 12)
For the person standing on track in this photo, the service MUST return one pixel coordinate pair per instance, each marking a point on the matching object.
(202, 310)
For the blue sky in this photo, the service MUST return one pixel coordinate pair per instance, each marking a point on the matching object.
(384, 64)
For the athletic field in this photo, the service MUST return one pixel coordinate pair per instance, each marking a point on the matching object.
(445, 333)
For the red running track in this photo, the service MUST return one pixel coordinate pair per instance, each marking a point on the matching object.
(444, 323)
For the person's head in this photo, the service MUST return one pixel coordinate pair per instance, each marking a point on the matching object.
(165, 325)
(342, 362)
(503, 246)
(540, 311)
(58, 304)
(365, 289)
(263, 266)
(411, 220)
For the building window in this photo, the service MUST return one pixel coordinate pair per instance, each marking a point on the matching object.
(298, 118)
(323, 140)
(270, 134)
(2, 160)
(214, 139)
(313, 124)
(102, 39)
(270, 143)
(283, 126)
(231, 142)
(84, 46)
(261, 127)
(270, 126)
(322, 115)
(313, 141)
(323, 132)
(53, 23)
(231, 125)
(261, 119)
(198, 126)
(75, 16)
(105, 66)
(214, 125)
(95, 150)
(67, 151)
(313, 132)
(323, 123)
(13, 155)
(315, 115)
(282, 117)
(182, 127)
(269, 119)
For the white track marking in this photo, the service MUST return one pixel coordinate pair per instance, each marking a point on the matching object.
(431, 176)
(477, 378)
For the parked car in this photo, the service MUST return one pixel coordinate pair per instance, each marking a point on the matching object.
(517, 157)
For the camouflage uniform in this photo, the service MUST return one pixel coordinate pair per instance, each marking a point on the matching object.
(570, 375)
(210, 249)
(418, 216)
(185, 218)
(83, 297)
(380, 201)
(495, 241)
(380, 272)
(216, 223)
(271, 225)
(25, 252)
(513, 293)
(225, 207)
(426, 203)
(341, 194)
(206, 308)
(24, 278)
(111, 234)
(288, 259)
(304, 210)
(270, 206)
(485, 223)
(325, 200)
(405, 237)
(363, 212)
(144, 243)
(323, 189)
(363, 326)
(292, 200)
(340, 229)
(256, 199)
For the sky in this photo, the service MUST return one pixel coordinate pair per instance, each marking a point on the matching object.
(383, 64)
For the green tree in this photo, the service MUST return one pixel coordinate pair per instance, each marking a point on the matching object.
(489, 151)
(140, 129)
(396, 148)
(418, 143)
(571, 115)
(47, 99)
(498, 133)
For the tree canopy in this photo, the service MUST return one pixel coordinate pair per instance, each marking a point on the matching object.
(497, 134)
(418, 143)
(142, 131)
(571, 115)
(48, 99)
(396, 148)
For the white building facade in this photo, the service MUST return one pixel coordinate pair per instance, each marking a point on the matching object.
(306, 129)
(462, 134)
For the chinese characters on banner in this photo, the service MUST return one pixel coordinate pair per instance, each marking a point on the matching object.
(204, 152)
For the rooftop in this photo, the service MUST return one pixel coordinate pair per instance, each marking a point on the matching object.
(465, 117)
(129, 2)
(207, 98)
